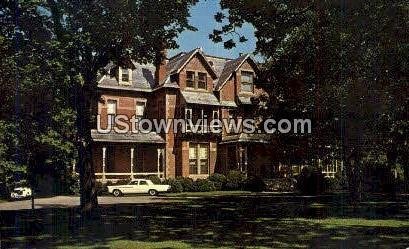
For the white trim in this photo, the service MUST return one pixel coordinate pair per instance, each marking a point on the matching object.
(126, 83)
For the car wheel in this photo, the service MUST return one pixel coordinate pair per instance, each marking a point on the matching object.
(117, 193)
(152, 192)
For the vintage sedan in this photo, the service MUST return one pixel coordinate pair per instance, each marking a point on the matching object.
(138, 186)
(20, 193)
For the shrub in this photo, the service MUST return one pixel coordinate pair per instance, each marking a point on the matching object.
(218, 180)
(74, 184)
(101, 188)
(281, 184)
(122, 182)
(255, 184)
(186, 182)
(203, 185)
(155, 179)
(311, 181)
(175, 185)
(235, 180)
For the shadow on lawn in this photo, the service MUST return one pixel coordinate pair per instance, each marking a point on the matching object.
(269, 221)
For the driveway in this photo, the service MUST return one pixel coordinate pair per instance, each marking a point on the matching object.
(71, 201)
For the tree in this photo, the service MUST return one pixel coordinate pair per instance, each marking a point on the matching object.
(82, 38)
(340, 63)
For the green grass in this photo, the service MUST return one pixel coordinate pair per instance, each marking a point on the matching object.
(125, 244)
(333, 223)
(208, 194)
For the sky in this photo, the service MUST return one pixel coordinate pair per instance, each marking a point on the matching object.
(202, 17)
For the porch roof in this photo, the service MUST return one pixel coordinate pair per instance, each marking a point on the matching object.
(200, 98)
(246, 138)
(148, 138)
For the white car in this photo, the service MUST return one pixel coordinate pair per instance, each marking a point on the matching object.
(138, 186)
(20, 193)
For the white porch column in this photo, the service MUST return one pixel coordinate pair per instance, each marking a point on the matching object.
(132, 158)
(158, 162)
(245, 159)
(103, 163)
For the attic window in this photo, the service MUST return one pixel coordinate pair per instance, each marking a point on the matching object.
(125, 76)
(211, 63)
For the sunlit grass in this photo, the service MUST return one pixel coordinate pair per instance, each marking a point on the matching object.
(353, 222)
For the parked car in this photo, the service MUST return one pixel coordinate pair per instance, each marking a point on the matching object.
(20, 193)
(138, 186)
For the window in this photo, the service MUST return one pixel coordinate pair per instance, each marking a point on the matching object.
(111, 107)
(190, 79)
(125, 76)
(196, 80)
(202, 81)
(198, 158)
(246, 81)
(140, 109)
(143, 183)
(188, 118)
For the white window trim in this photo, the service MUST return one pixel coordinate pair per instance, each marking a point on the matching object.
(197, 147)
(144, 107)
(116, 106)
(127, 83)
(241, 83)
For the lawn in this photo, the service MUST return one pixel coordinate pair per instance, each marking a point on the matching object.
(226, 221)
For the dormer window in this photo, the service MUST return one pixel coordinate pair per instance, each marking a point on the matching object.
(190, 79)
(125, 76)
(202, 81)
(247, 81)
(196, 80)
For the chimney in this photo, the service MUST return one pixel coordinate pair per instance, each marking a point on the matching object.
(160, 64)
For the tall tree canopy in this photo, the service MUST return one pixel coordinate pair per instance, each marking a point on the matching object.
(342, 63)
(81, 38)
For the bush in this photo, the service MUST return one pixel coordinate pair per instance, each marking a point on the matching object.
(281, 184)
(218, 180)
(155, 179)
(255, 184)
(311, 181)
(175, 185)
(74, 184)
(203, 185)
(187, 183)
(122, 182)
(101, 188)
(235, 180)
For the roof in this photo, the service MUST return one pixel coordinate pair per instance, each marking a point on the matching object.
(178, 62)
(148, 138)
(229, 68)
(247, 138)
(227, 103)
(244, 100)
(200, 98)
(143, 78)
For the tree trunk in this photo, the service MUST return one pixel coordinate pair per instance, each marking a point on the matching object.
(89, 201)
(353, 173)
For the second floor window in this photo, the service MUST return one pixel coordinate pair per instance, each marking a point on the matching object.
(140, 109)
(190, 79)
(111, 107)
(246, 82)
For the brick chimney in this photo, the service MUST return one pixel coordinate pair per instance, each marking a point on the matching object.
(160, 64)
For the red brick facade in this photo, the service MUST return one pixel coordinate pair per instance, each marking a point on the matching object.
(165, 98)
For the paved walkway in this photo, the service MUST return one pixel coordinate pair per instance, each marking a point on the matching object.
(71, 201)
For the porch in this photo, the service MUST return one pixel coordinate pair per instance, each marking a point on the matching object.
(117, 159)
(251, 154)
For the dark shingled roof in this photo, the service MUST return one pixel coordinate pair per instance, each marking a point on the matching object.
(149, 138)
(143, 79)
(229, 67)
(200, 98)
(247, 138)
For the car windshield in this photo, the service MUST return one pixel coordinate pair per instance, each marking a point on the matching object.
(133, 183)
(19, 192)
